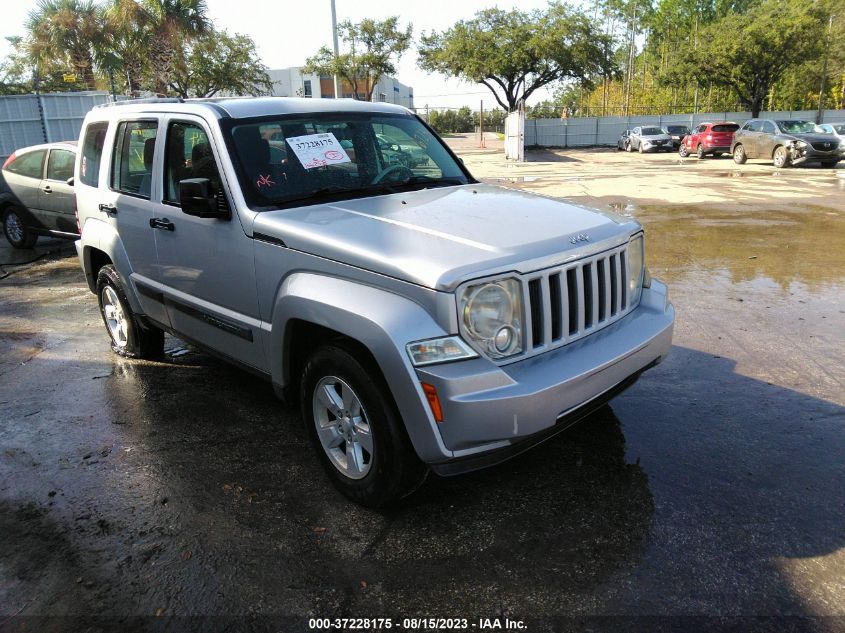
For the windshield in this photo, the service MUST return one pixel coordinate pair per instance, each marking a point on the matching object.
(309, 158)
(678, 129)
(652, 131)
(796, 127)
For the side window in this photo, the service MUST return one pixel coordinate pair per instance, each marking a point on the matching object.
(754, 126)
(701, 129)
(132, 164)
(30, 164)
(60, 164)
(188, 155)
(92, 152)
(769, 127)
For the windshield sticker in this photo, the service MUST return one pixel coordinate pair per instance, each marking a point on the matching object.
(318, 150)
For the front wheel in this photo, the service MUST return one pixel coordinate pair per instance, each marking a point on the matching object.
(129, 337)
(781, 157)
(739, 155)
(628, 147)
(641, 147)
(699, 151)
(683, 152)
(19, 234)
(355, 428)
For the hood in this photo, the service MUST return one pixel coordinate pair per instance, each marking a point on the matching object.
(813, 137)
(440, 237)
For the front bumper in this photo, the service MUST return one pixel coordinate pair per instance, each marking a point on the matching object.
(491, 412)
(809, 154)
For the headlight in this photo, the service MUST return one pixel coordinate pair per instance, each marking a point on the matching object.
(799, 144)
(635, 270)
(439, 350)
(492, 316)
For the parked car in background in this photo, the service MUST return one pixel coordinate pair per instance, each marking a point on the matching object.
(40, 199)
(837, 129)
(786, 143)
(709, 138)
(677, 132)
(649, 138)
(623, 141)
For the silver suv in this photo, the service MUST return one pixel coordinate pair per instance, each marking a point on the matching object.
(421, 319)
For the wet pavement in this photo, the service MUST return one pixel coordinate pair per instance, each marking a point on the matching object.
(709, 496)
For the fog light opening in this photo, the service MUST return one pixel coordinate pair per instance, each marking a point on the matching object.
(433, 401)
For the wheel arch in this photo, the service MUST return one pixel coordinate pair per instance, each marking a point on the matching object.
(311, 309)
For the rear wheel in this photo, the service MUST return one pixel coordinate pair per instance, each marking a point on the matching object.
(739, 155)
(781, 157)
(17, 231)
(129, 337)
(355, 428)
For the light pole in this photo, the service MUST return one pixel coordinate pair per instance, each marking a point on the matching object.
(824, 70)
(336, 50)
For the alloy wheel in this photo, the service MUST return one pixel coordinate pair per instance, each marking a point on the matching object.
(115, 318)
(343, 427)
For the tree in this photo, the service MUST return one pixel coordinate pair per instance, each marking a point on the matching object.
(169, 23)
(126, 41)
(750, 52)
(219, 62)
(66, 31)
(514, 53)
(372, 46)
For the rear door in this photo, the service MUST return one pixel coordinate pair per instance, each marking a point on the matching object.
(129, 203)
(23, 176)
(748, 137)
(56, 197)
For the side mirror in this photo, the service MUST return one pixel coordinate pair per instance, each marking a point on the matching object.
(198, 199)
(69, 181)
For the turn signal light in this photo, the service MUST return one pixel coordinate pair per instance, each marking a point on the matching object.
(433, 401)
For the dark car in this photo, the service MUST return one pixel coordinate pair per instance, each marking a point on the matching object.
(786, 143)
(677, 132)
(40, 198)
(709, 138)
(623, 142)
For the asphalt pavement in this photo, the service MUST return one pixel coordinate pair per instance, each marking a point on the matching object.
(181, 495)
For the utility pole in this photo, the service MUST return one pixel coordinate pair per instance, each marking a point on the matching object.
(336, 49)
(481, 125)
(820, 113)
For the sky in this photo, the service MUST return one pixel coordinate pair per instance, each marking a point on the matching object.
(286, 32)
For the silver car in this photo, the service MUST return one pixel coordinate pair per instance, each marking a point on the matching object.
(40, 198)
(420, 319)
(649, 138)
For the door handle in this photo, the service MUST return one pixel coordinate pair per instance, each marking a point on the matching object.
(162, 223)
(108, 208)
(47, 189)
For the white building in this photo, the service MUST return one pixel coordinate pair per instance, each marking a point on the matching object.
(290, 82)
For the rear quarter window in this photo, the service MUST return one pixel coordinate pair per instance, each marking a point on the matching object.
(92, 153)
(30, 164)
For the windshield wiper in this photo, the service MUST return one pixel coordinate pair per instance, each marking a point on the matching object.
(428, 180)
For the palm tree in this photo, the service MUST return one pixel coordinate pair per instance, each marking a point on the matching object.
(66, 31)
(171, 22)
(126, 43)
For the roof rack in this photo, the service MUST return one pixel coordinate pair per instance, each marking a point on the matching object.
(112, 104)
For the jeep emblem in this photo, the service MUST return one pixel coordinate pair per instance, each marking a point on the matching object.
(581, 237)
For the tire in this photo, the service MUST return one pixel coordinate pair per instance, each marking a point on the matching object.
(129, 337)
(628, 147)
(682, 151)
(641, 148)
(739, 155)
(780, 158)
(16, 228)
(368, 456)
(699, 151)
(829, 163)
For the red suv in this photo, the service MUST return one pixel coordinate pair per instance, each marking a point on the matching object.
(709, 138)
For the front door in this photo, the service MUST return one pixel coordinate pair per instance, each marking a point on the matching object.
(766, 140)
(56, 197)
(206, 264)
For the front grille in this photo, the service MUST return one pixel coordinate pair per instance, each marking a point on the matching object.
(825, 146)
(568, 302)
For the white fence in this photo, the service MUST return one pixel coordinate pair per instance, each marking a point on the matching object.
(577, 132)
(33, 119)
